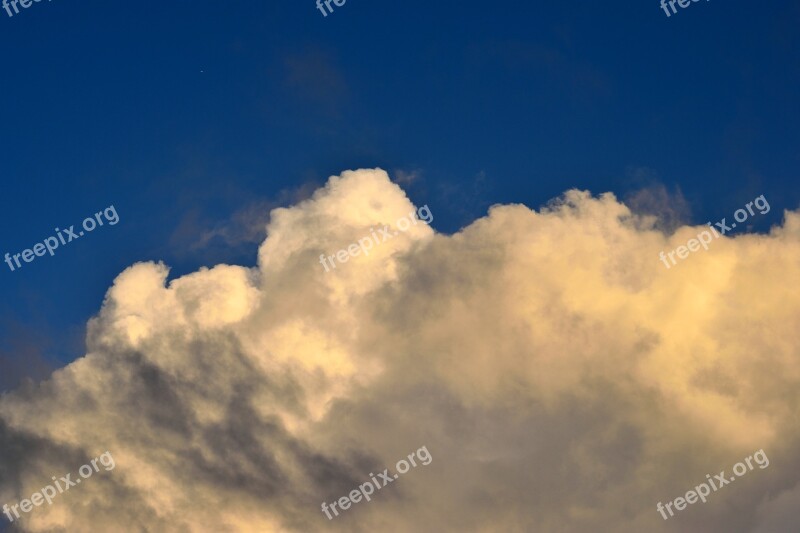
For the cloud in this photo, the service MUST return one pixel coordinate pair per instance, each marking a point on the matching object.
(243, 230)
(669, 210)
(562, 379)
(405, 177)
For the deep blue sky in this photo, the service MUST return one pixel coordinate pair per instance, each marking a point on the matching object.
(182, 113)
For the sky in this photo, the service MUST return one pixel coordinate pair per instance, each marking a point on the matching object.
(528, 334)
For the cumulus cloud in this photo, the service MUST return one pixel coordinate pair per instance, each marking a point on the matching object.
(562, 379)
(669, 210)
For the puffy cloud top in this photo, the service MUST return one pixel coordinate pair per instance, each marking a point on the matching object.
(561, 377)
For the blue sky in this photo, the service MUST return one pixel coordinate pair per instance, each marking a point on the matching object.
(183, 115)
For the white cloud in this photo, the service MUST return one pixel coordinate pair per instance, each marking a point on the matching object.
(561, 377)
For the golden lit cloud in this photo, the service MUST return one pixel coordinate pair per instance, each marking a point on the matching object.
(562, 378)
